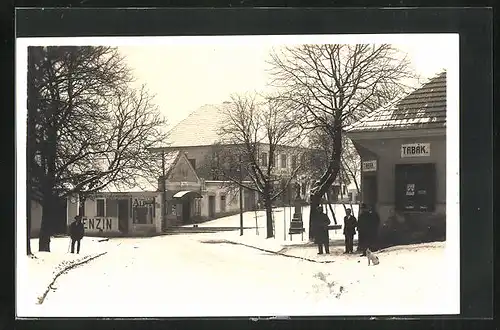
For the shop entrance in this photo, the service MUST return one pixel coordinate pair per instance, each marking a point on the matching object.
(369, 189)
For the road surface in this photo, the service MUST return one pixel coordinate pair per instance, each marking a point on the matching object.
(181, 276)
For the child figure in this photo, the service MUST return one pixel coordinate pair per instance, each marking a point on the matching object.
(350, 225)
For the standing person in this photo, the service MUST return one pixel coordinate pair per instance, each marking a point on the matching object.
(320, 224)
(363, 223)
(350, 225)
(76, 232)
(373, 228)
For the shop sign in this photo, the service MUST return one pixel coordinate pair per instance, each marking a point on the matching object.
(415, 150)
(369, 166)
(100, 224)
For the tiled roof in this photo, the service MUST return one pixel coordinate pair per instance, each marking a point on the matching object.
(423, 108)
(200, 128)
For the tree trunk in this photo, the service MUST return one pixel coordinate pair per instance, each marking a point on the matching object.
(269, 213)
(328, 178)
(45, 228)
(328, 197)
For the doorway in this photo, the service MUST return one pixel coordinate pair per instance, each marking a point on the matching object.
(123, 215)
(369, 189)
(211, 206)
(186, 212)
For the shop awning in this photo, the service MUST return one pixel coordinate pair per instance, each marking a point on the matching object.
(187, 194)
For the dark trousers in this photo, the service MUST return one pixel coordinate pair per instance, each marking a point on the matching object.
(349, 242)
(73, 241)
(326, 245)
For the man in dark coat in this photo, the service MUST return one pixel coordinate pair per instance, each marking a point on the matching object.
(320, 227)
(76, 232)
(363, 228)
(350, 225)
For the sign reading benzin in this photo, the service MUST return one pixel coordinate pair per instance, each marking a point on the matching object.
(369, 166)
(100, 224)
(415, 150)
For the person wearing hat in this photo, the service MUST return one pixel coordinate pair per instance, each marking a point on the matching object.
(76, 232)
(350, 224)
(320, 227)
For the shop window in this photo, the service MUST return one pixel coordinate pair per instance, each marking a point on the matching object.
(415, 187)
(143, 211)
(100, 207)
(223, 203)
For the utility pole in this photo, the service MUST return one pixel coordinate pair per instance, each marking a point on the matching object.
(241, 198)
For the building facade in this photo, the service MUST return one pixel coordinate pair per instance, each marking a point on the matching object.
(403, 156)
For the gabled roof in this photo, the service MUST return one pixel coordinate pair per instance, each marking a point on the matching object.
(423, 108)
(200, 128)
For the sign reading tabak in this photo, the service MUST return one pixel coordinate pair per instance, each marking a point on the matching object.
(415, 150)
(369, 166)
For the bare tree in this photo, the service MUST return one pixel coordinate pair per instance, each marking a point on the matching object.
(350, 163)
(86, 127)
(254, 135)
(333, 85)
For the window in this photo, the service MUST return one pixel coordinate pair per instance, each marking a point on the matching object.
(100, 207)
(197, 207)
(193, 162)
(82, 208)
(294, 162)
(415, 187)
(263, 159)
(283, 160)
(223, 203)
(143, 211)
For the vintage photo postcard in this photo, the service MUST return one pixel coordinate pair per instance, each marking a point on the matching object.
(230, 176)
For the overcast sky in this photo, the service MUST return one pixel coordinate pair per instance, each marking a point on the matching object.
(187, 75)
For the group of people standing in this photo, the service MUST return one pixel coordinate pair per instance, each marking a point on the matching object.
(367, 225)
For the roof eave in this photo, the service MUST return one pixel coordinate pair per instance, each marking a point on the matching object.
(396, 133)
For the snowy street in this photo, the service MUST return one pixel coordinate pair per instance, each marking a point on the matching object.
(176, 275)
(193, 275)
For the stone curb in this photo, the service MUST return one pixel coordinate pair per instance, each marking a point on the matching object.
(71, 266)
(279, 252)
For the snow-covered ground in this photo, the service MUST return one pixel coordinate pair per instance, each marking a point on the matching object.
(39, 271)
(205, 275)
